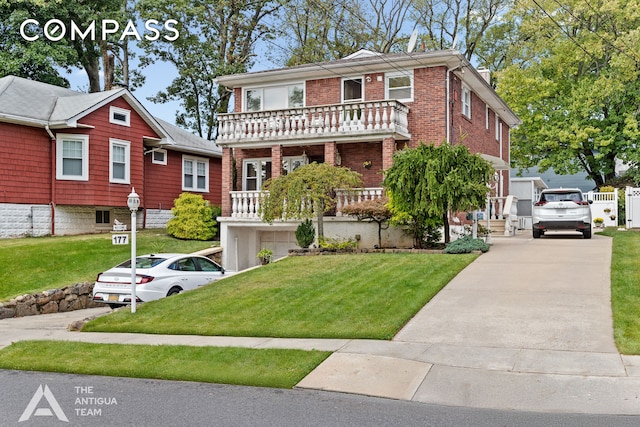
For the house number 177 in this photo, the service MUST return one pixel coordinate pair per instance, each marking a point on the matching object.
(120, 239)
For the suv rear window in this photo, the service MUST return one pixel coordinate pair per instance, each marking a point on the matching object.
(564, 196)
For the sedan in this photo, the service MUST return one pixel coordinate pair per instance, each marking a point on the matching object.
(157, 276)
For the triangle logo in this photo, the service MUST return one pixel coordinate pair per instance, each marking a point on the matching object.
(32, 408)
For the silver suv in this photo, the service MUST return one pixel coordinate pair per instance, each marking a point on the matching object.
(562, 209)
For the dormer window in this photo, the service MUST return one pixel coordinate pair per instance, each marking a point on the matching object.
(119, 116)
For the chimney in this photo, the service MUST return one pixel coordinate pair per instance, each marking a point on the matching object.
(485, 73)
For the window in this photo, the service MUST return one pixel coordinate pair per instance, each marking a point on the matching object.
(195, 172)
(352, 89)
(103, 217)
(72, 157)
(274, 97)
(497, 128)
(255, 173)
(486, 117)
(466, 102)
(119, 164)
(119, 116)
(159, 157)
(400, 87)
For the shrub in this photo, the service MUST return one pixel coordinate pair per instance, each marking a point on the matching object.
(337, 244)
(305, 234)
(465, 245)
(193, 218)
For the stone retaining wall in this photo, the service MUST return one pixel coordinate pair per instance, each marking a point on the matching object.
(69, 298)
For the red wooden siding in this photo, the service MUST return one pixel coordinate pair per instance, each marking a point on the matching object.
(163, 183)
(98, 190)
(25, 164)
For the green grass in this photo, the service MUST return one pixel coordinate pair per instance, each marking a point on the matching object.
(625, 289)
(37, 264)
(347, 296)
(225, 365)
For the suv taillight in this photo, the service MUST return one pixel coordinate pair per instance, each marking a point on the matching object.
(540, 203)
(583, 203)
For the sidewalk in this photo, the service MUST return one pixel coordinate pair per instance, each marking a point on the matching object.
(525, 327)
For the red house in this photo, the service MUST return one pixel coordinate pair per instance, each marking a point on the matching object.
(354, 112)
(68, 160)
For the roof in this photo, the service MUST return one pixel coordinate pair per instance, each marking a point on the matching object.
(188, 142)
(31, 103)
(367, 62)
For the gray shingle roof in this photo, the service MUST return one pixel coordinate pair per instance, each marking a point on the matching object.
(33, 103)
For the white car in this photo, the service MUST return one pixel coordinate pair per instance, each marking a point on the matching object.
(561, 209)
(157, 276)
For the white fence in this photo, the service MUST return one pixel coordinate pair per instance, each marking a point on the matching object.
(632, 207)
(605, 206)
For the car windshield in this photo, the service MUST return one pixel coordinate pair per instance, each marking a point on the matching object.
(561, 197)
(143, 262)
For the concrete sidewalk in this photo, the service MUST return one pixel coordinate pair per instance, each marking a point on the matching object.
(526, 327)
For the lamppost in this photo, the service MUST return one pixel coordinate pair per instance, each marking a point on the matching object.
(133, 201)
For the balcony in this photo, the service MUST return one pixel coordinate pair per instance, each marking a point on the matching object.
(246, 204)
(353, 122)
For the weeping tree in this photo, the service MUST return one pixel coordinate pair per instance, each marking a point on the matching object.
(307, 191)
(428, 182)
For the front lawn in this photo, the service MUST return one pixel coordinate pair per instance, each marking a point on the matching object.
(226, 365)
(38, 264)
(625, 289)
(346, 296)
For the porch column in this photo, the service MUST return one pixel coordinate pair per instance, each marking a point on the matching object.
(388, 148)
(330, 150)
(227, 180)
(276, 161)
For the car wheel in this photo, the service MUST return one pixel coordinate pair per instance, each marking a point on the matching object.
(536, 233)
(586, 233)
(174, 291)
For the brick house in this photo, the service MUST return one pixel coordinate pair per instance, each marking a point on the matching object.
(68, 160)
(354, 112)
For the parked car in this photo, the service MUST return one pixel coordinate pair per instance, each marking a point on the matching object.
(157, 276)
(562, 209)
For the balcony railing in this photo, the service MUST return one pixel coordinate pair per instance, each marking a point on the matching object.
(246, 204)
(346, 120)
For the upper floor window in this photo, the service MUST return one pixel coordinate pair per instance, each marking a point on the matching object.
(195, 172)
(72, 157)
(352, 89)
(466, 102)
(119, 162)
(399, 87)
(274, 97)
(119, 116)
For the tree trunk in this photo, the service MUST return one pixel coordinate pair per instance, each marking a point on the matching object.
(445, 221)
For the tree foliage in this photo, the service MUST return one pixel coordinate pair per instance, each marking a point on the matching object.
(576, 86)
(376, 210)
(308, 190)
(216, 38)
(42, 59)
(429, 181)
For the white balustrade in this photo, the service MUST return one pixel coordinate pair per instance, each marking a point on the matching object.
(246, 204)
(336, 120)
